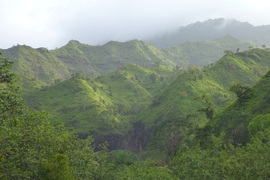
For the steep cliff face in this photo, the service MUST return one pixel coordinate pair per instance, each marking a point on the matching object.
(137, 139)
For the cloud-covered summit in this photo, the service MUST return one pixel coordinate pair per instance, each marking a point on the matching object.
(52, 23)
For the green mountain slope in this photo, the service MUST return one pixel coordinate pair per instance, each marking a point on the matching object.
(235, 143)
(234, 121)
(36, 67)
(103, 107)
(41, 67)
(109, 57)
(180, 101)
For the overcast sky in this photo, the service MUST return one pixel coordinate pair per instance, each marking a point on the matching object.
(52, 23)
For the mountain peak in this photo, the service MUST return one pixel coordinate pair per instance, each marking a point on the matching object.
(212, 29)
(217, 24)
(74, 42)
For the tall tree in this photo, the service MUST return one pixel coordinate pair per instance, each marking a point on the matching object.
(32, 146)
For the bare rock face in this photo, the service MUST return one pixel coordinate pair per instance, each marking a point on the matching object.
(137, 139)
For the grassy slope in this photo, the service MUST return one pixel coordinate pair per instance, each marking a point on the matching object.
(99, 60)
(40, 67)
(103, 106)
(182, 97)
(36, 67)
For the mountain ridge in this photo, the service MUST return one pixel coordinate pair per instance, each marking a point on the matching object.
(212, 29)
(41, 67)
(103, 107)
(192, 91)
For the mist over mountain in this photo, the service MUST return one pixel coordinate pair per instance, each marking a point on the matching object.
(179, 106)
(212, 29)
(38, 67)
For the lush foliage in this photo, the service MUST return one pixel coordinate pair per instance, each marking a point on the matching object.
(223, 161)
(185, 98)
(41, 67)
(33, 147)
(245, 118)
(103, 107)
(243, 92)
(186, 137)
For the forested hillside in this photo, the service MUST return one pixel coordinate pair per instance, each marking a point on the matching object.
(192, 99)
(246, 116)
(33, 147)
(36, 67)
(198, 109)
(103, 107)
(41, 67)
(233, 144)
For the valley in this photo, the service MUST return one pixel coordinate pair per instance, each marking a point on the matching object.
(163, 109)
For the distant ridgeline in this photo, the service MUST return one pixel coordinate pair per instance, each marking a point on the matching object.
(41, 67)
(213, 29)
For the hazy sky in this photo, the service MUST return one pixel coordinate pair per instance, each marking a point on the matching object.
(52, 23)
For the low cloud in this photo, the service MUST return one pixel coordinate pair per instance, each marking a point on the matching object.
(52, 23)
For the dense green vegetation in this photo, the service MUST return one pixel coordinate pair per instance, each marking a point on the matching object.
(121, 95)
(247, 116)
(191, 122)
(32, 147)
(41, 67)
(103, 107)
(35, 147)
(36, 67)
(239, 149)
(191, 98)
